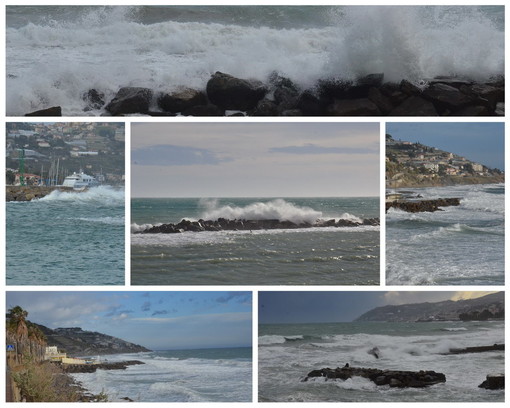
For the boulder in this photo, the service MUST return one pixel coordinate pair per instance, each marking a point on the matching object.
(353, 107)
(181, 100)
(381, 101)
(494, 382)
(446, 97)
(94, 99)
(53, 111)
(415, 106)
(204, 110)
(130, 100)
(309, 103)
(229, 92)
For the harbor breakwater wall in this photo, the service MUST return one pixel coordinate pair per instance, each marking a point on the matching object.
(29, 193)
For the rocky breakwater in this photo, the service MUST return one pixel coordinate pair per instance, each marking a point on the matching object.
(423, 205)
(91, 368)
(393, 378)
(280, 96)
(222, 224)
(29, 193)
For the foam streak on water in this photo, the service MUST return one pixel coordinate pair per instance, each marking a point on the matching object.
(55, 54)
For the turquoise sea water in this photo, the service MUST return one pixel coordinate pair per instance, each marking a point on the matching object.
(67, 239)
(320, 256)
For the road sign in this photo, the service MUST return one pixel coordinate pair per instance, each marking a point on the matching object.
(10, 347)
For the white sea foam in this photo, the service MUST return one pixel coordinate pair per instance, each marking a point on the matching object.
(276, 209)
(53, 61)
(102, 195)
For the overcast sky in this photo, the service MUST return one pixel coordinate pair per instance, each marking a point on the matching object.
(483, 143)
(326, 307)
(255, 159)
(156, 320)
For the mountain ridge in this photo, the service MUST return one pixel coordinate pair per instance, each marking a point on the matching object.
(487, 307)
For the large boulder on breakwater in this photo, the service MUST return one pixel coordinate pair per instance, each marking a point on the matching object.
(232, 93)
(91, 368)
(493, 382)
(130, 100)
(393, 378)
(53, 111)
(181, 100)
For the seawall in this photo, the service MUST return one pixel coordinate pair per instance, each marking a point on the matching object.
(28, 193)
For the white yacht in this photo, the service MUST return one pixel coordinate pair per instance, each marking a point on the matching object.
(80, 181)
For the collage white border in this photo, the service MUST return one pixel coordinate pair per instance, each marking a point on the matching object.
(254, 289)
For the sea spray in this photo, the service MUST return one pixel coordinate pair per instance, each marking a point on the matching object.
(102, 195)
(273, 210)
(163, 48)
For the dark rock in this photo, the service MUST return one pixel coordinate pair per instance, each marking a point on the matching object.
(478, 349)
(222, 224)
(446, 97)
(353, 107)
(423, 205)
(334, 88)
(92, 368)
(363, 85)
(415, 106)
(181, 100)
(265, 107)
(204, 110)
(475, 110)
(494, 382)
(309, 104)
(393, 378)
(161, 114)
(94, 99)
(130, 100)
(489, 93)
(383, 102)
(291, 112)
(233, 93)
(409, 88)
(53, 111)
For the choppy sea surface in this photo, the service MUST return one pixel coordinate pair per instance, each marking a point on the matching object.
(461, 245)
(288, 352)
(319, 256)
(206, 375)
(67, 238)
(55, 54)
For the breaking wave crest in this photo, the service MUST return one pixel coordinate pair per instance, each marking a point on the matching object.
(102, 195)
(276, 209)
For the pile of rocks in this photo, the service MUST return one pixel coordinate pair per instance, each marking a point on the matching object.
(423, 205)
(222, 224)
(91, 368)
(280, 96)
(393, 378)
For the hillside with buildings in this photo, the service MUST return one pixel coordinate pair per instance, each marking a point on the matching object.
(416, 165)
(76, 341)
(487, 307)
(45, 153)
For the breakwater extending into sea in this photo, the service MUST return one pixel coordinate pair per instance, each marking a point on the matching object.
(28, 193)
